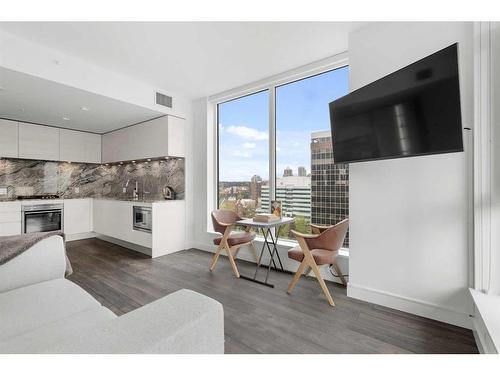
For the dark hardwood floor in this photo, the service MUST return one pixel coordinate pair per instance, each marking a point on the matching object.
(259, 319)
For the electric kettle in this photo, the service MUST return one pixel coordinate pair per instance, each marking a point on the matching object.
(168, 193)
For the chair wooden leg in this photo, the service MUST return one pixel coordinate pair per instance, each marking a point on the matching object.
(339, 272)
(322, 283)
(236, 251)
(297, 275)
(215, 258)
(233, 263)
(254, 252)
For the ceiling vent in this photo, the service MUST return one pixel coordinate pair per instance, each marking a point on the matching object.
(164, 100)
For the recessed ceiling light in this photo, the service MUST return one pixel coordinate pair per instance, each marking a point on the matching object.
(149, 159)
(121, 163)
(66, 118)
(85, 108)
(133, 161)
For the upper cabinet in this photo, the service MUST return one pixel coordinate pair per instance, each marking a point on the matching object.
(176, 137)
(9, 131)
(79, 147)
(164, 136)
(38, 142)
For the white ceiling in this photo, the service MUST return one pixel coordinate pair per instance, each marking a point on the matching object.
(193, 58)
(31, 99)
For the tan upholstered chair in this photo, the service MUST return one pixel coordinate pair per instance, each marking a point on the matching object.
(316, 250)
(224, 221)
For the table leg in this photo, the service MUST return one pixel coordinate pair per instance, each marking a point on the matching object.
(268, 247)
(260, 257)
(275, 242)
(269, 239)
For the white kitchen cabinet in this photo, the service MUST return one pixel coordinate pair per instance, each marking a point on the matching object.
(164, 136)
(38, 142)
(176, 137)
(77, 216)
(81, 147)
(9, 131)
(10, 218)
(169, 227)
(114, 219)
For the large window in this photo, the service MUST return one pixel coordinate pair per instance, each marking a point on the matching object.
(243, 133)
(311, 188)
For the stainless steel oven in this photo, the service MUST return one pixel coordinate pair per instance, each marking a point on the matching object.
(143, 218)
(42, 218)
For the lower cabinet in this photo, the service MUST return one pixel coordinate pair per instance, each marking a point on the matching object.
(88, 217)
(10, 218)
(115, 219)
(77, 216)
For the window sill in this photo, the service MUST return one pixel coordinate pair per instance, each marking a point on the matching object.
(488, 306)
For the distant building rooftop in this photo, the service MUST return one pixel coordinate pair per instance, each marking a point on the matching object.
(295, 181)
(321, 134)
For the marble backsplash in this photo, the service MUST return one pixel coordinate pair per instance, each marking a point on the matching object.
(78, 180)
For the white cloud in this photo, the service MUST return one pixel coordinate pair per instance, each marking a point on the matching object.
(247, 133)
(242, 154)
(249, 145)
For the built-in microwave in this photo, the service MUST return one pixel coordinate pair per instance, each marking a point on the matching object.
(143, 218)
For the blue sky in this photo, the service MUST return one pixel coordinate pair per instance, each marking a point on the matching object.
(301, 108)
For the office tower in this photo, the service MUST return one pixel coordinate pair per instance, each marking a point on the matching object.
(329, 183)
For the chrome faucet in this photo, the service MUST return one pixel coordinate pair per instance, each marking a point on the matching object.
(135, 194)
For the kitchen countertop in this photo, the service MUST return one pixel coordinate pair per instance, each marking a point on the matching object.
(38, 201)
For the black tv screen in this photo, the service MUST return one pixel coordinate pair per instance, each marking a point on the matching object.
(413, 111)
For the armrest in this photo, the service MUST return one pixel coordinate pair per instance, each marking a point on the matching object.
(45, 260)
(225, 224)
(304, 235)
(182, 322)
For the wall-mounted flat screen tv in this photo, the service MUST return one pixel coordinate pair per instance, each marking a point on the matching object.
(413, 111)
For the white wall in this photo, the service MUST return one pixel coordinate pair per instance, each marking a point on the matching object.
(39, 60)
(409, 230)
(199, 237)
(494, 269)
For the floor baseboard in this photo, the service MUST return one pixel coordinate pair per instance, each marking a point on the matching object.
(79, 236)
(412, 306)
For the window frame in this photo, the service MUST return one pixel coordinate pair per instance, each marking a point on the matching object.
(271, 84)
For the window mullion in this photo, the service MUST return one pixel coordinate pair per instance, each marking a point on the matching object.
(272, 143)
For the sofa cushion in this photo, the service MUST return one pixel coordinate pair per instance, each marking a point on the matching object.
(51, 334)
(42, 262)
(182, 322)
(31, 307)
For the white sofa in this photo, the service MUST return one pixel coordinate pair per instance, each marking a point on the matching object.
(42, 312)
